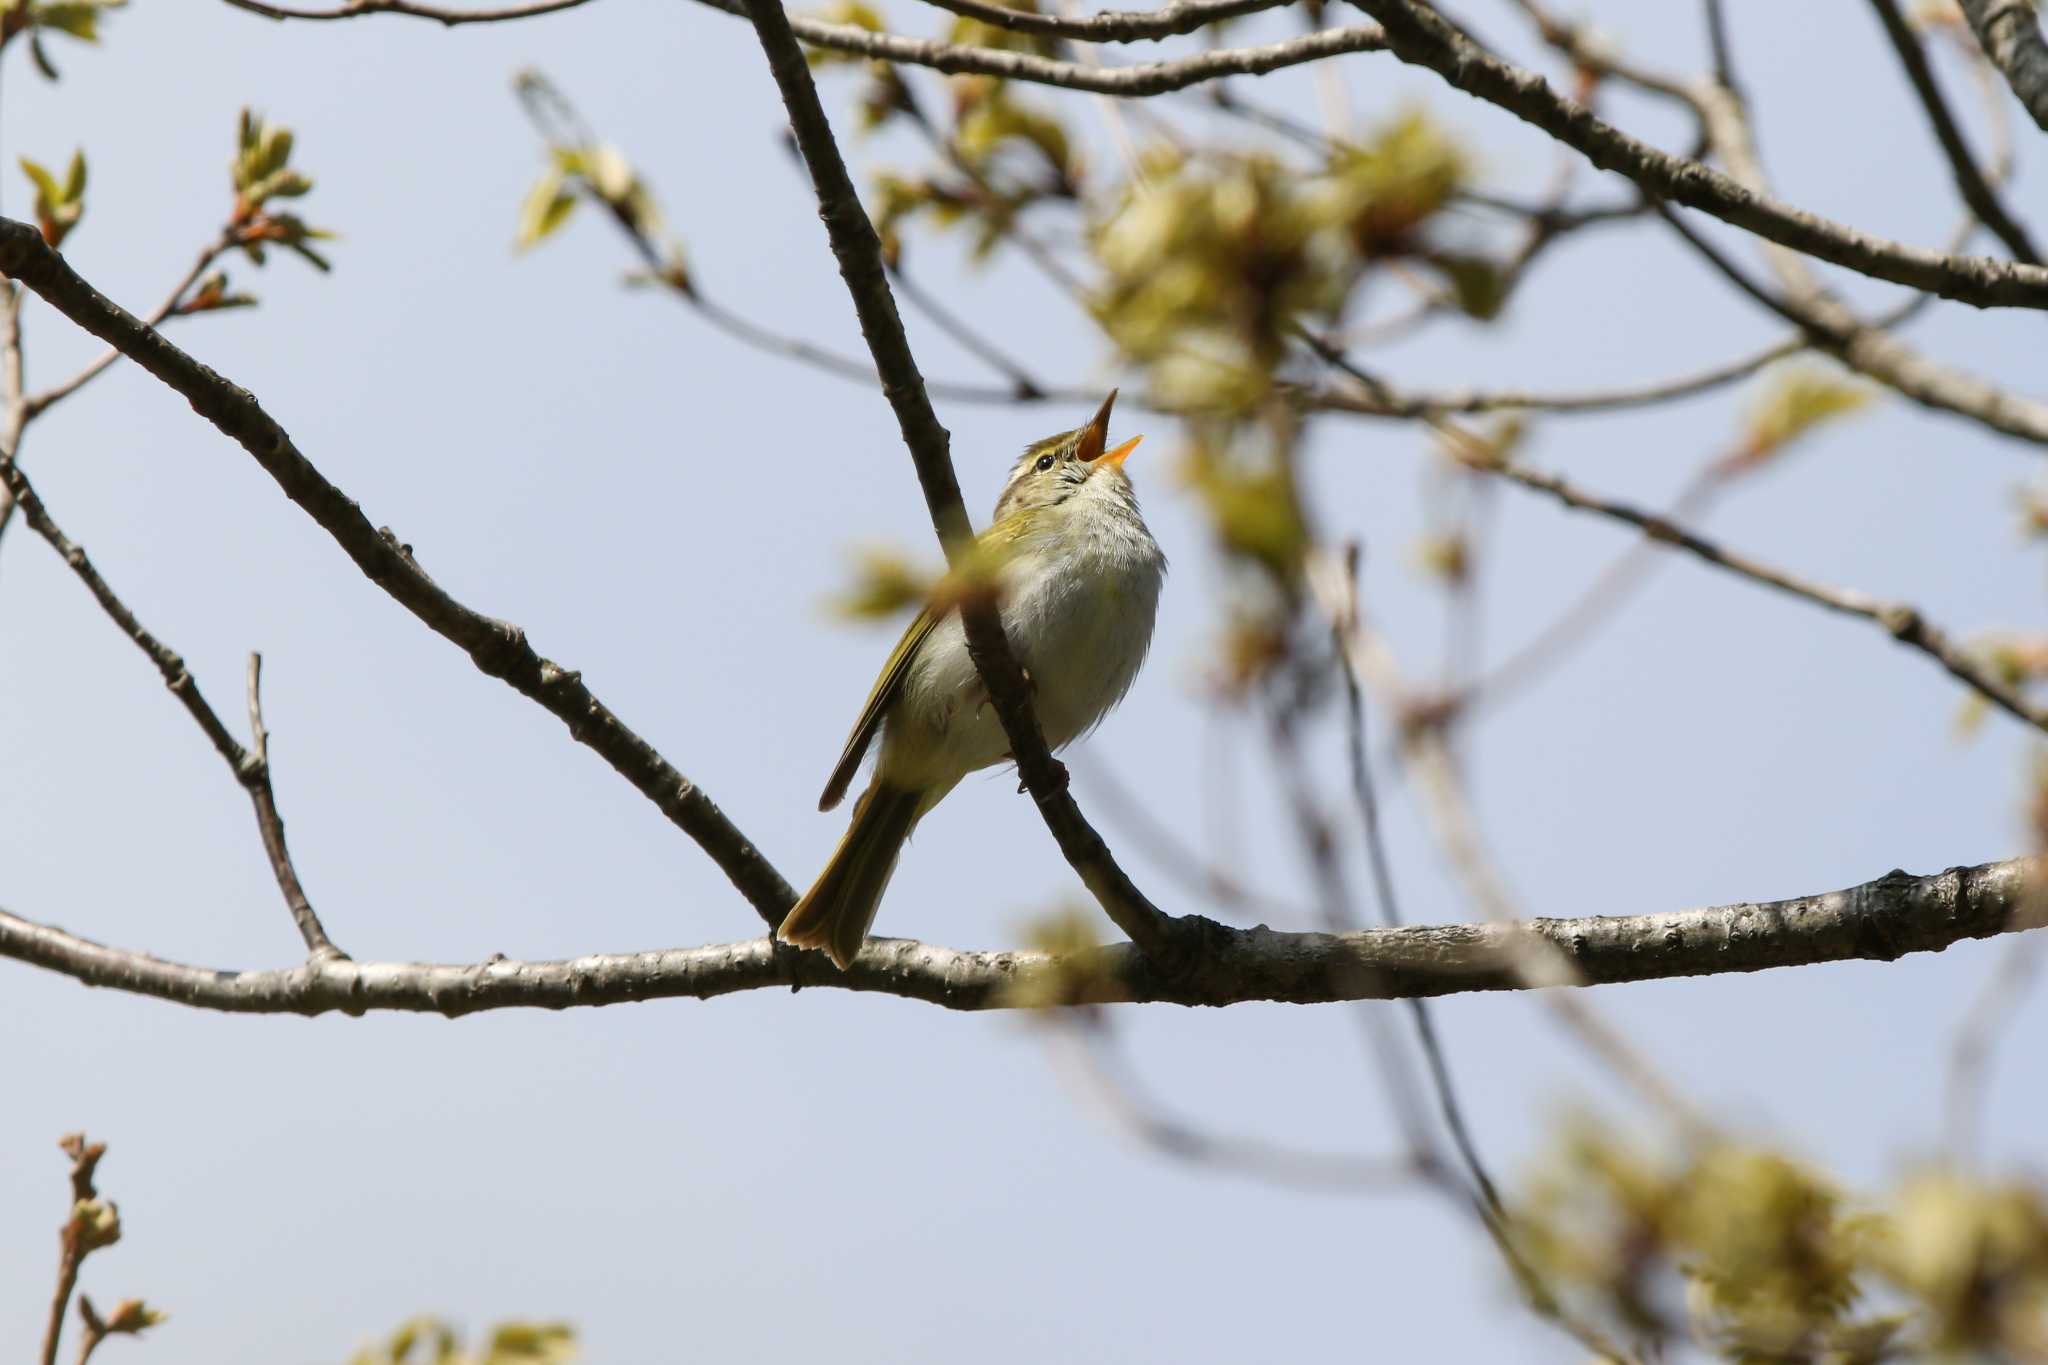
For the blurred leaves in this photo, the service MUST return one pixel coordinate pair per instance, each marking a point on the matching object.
(59, 203)
(1077, 974)
(78, 19)
(580, 167)
(2017, 658)
(885, 584)
(1761, 1259)
(261, 174)
(1798, 398)
(430, 1341)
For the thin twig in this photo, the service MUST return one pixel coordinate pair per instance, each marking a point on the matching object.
(1114, 26)
(1109, 1082)
(1970, 1055)
(83, 1232)
(251, 766)
(1138, 81)
(1902, 621)
(450, 18)
(1970, 179)
(256, 777)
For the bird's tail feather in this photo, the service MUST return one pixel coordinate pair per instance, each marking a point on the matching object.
(840, 906)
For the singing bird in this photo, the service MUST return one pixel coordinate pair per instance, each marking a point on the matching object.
(1077, 577)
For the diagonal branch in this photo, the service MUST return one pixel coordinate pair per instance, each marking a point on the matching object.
(1419, 36)
(859, 253)
(1902, 621)
(1877, 921)
(499, 648)
(251, 766)
(1970, 180)
(2010, 34)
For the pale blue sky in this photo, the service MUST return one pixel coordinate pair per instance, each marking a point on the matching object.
(763, 1177)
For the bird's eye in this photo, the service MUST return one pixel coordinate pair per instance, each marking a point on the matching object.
(1044, 463)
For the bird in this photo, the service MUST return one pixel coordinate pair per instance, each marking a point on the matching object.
(1077, 578)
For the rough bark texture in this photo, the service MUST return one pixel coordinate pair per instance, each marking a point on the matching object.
(1880, 920)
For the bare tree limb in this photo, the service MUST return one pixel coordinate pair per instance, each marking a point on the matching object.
(1902, 621)
(255, 775)
(251, 766)
(1114, 26)
(2010, 34)
(859, 253)
(1877, 921)
(448, 18)
(1872, 352)
(1970, 180)
(498, 648)
(1419, 36)
(1137, 81)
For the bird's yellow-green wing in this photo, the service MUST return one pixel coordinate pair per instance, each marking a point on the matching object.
(886, 688)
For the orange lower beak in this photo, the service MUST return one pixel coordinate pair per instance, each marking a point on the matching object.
(1114, 459)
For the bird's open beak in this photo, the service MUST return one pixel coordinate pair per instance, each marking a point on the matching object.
(1095, 436)
(1115, 459)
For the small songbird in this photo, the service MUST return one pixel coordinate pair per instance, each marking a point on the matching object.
(1076, 575)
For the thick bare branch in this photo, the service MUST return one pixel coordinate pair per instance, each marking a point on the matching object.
(859, 253)
(496, 647)
(1877, 921)
(2010, 33)
(1419, 36)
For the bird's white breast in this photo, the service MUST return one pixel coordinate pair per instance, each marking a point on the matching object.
(1078, 606)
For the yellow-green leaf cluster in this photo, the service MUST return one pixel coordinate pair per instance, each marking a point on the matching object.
(1797, 399)
(1764, 1260)
(430, 1341)
(1206, 267)
(579, 167)
(970, 32)
(78, 19)
(885, 584)
(1975, 1257)
(991, 122)
(59, 203)
(1077, 974)
(260, 173)
(1386, 189)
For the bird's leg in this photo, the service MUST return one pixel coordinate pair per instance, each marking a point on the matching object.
(1060, 778)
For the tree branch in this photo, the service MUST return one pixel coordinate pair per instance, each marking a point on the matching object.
(1877, 921)
(1970, 181)
(448, 18)
(2010, 35)
(859, 253)
(1114, 26)
(498, 648)
(1138, 81)
(1901, 620)
(1418, 36)
(251, 767)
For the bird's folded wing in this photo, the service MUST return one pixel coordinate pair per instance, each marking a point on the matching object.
(886, 689)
